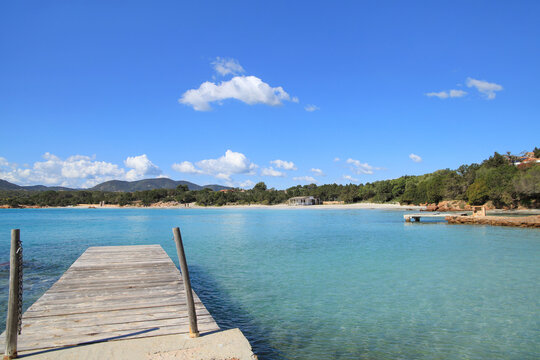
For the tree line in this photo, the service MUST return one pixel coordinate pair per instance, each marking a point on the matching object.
(496, 179)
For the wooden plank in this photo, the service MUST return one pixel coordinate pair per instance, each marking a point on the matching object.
(119, 248)
(54, 330)
(112, 293)
(100, 301)
(104, 276)
(132, 284)
(104, 306)
(77, 320)
(62, 312)
(126, 312)
(168, 277)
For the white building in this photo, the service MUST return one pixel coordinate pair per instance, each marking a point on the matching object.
(304, 200)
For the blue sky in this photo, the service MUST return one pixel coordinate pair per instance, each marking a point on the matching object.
(97, 90)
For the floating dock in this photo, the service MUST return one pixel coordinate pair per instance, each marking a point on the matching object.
(111, 293)
(416, 217)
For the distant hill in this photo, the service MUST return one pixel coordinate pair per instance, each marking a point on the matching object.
(151, 184)
(216, 187)
(6, 185)
(46, 188)
(141, 185)
(118, 186)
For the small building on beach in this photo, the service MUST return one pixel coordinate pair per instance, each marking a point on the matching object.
(478, 210)
(304, 200)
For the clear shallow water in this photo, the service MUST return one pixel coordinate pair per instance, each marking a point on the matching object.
(320, 284)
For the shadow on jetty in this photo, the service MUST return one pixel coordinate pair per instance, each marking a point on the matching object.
(88, 343)
(229, 314)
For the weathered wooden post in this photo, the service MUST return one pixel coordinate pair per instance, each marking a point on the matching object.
(193, 328)
(13, 322)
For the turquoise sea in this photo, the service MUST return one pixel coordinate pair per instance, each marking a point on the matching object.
(320, 284)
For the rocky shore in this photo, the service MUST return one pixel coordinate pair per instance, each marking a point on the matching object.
(461, 205)
(532, 221)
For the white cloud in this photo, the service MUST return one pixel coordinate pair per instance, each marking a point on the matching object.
(225, 66)
(317, 172)
(248, 89)
(361, 168)
(440, 95)
(447, 94)
(350, 178)
(484, 87)
(186, 167)
(141, 167)
(231, 163)
(457, 93)
(272, 172)
(222, 168)
(282, 164)
(311, 108)
(309, 179)
(247, 184)
(415, 158)
(75, 171)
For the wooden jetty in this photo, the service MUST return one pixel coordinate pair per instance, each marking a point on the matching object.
(416, 217)
(112, 293)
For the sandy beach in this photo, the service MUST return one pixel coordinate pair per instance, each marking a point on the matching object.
(172, 205)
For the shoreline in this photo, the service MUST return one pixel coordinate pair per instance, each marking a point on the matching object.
(253, 206)
(355, 206)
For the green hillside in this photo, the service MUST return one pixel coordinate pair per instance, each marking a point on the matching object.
(119, 186)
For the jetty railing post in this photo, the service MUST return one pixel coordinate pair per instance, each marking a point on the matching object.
(15, 295)
(193, 328)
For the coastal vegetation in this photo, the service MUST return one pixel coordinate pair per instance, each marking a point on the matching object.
(501, 180)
